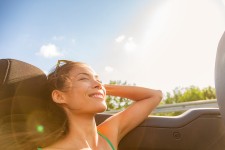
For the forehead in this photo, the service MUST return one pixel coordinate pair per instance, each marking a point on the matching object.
(82, 69)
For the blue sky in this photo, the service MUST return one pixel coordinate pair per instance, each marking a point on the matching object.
(159, 44)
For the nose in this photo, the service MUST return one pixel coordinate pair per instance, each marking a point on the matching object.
(97, 84)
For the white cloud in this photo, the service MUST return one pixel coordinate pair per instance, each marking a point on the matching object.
(120, 38)
(109, 69)
(49, 51)
(130, 45)
(127, 43)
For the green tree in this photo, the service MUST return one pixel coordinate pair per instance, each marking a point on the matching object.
(115, 102)
(192, 93)
(209, 93)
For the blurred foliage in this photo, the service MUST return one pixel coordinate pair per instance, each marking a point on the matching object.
(187, 94)
(115, 102)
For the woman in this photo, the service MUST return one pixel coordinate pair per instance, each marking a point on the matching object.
(76, 88)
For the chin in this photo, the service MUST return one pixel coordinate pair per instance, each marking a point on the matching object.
(102, 108)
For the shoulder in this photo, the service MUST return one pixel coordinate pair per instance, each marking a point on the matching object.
(109, 128)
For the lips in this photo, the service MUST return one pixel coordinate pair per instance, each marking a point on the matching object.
(97, 95)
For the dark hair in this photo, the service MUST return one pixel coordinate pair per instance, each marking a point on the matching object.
(59, 78)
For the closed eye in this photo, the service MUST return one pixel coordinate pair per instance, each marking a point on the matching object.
(83, 79)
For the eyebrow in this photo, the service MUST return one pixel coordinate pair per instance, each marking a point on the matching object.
(87, 74)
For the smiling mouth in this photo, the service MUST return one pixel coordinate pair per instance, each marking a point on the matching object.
(96, 96)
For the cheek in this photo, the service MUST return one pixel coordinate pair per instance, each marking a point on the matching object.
(77, 95)
(81, 90)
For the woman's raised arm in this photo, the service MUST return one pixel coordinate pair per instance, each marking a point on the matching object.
(145, 101)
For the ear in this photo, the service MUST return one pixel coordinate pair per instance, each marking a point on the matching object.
(58, 97)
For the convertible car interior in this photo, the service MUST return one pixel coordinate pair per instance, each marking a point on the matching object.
(196, 129)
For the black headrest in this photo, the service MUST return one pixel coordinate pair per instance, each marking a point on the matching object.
(27, 113)
(22, 87)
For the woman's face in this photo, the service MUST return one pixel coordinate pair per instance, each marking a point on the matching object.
(87, 94)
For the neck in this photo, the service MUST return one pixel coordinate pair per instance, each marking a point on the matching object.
(82, 129)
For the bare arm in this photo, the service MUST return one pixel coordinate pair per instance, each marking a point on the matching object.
(132, 92)
(121, 123)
